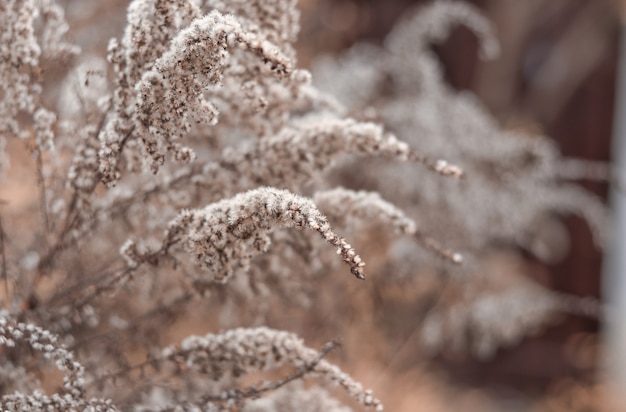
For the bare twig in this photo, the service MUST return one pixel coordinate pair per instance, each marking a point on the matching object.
(3, 265)
(43, 201)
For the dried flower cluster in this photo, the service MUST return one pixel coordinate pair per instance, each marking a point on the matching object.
(242, 350)
(164, 174)
(13, 335)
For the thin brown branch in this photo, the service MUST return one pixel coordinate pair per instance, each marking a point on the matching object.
(43, 200)
(3, 265)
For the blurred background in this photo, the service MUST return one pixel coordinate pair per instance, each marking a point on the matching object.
(556, 76)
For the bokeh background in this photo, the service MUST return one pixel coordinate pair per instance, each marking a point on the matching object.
(556, 76)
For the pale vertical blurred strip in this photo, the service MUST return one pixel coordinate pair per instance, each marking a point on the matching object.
(614, 272)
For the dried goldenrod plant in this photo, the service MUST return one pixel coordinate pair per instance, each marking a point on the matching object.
(167, 175)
